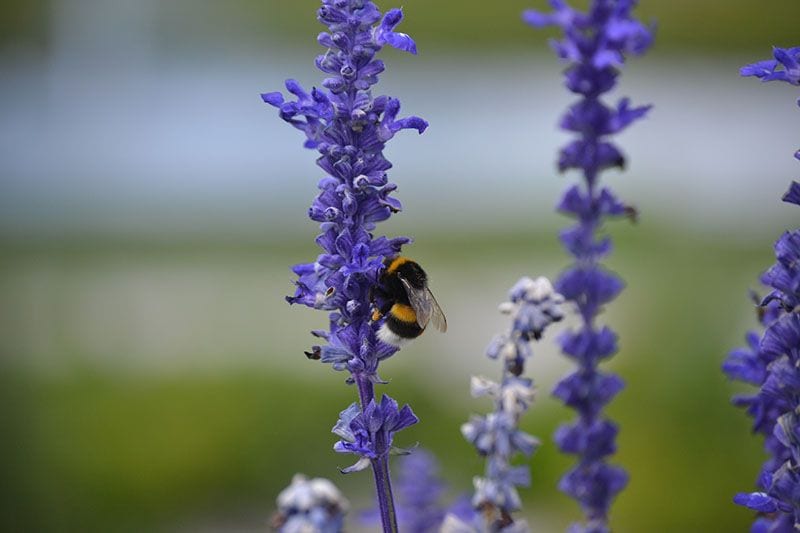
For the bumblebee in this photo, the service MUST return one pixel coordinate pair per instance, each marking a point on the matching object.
(404, 298)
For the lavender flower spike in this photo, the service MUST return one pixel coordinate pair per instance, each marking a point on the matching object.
(533, 306)
(349, 128)
(594, 47)
(310, 506)
(773, 361)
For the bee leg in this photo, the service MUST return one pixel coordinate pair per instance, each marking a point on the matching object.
(376, 315)
(376, 293)
(379, 312)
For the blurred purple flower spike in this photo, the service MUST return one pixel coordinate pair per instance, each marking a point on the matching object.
(594, 46)
(772, 361)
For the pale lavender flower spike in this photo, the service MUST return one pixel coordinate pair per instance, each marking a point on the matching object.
(310, 506)
(533, 305)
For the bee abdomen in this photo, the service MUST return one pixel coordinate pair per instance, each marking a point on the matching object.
(403, 313)
(402, 321)
(400, 325)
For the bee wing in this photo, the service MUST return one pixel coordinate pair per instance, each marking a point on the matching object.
(437, 316)
(425, 306)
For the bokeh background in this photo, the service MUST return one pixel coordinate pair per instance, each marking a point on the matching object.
(152, 376)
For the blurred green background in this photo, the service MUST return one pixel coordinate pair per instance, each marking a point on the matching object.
(150, 206)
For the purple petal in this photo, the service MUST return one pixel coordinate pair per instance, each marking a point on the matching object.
(414, 123)
(537, 19)
(759, 69)
(360, 465)
(757, 501)
(391, 19)
(273, 99)
(385, 34)
(294, 87)
(405, 418)
(401, 41)
(792, 196)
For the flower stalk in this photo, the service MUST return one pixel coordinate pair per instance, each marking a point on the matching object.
(594, 46)
(349, 127)
(419, 490)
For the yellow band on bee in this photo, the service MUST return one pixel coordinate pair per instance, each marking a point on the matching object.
(394, 265)
(403, 313)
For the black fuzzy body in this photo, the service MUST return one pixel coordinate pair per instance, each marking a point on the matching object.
(408, 270)
(395, 298)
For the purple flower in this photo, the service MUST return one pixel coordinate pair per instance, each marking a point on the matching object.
(772, 361)
(746, 364)
(310, 505)
(594, 47)
(369, 433)
(533, 305)
(792, 196)
(349, 128)
(785, 66)
(384, 33)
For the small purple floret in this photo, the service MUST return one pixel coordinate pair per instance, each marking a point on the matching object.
(785, 66)
(792, 196)
(385, 34)
(369, 434)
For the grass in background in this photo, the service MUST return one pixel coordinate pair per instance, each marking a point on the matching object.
(712, 26)
(684, 25)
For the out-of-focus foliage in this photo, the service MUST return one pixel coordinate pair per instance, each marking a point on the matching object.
(727, 25)
(88, 449)
(687, 26)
